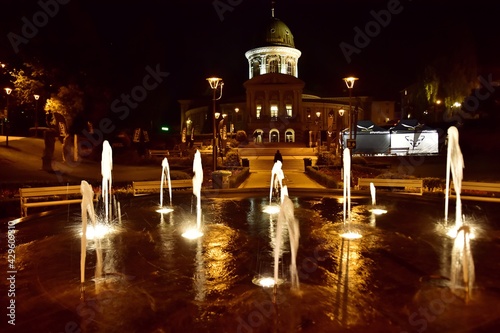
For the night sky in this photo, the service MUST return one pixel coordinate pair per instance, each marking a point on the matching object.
(110, 43)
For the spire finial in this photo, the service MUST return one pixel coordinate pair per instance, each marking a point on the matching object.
(272, 8)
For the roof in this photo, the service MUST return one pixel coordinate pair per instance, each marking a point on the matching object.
(274, 32)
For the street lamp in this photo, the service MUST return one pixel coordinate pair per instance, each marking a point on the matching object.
(215, 83)
(8, 91)
(36, 114)
(349, 81)
(233, 122)
(318, 129)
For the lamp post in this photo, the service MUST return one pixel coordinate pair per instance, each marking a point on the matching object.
(36, 114)
(8, 91)
(349, 81)
(340, 124)
(233, 123)
(318, 130)
(215, 83)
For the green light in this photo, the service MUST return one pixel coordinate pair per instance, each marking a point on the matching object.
(165, 129)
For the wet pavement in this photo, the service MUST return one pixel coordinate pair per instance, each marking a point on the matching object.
(396, 278)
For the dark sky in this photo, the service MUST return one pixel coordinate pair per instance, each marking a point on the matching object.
(111, 42)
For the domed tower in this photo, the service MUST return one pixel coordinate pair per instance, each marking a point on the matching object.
(276, 52)
(273, 90)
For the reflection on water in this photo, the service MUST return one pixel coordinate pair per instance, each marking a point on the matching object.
(155, 280)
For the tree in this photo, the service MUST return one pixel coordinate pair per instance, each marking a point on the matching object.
(451, 72)
(28, 81)
(68, 101)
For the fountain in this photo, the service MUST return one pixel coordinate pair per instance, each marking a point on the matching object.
(348, 233)
(166, 284)
(455, 164)
(374, 209)
(275, 186)
(462, 275)
(197, 183)
(276, 183)
(201, 286)
(462, 265)
(165, 179)
(87, 207)
(373, 194)
(287, 217)
(106, 167)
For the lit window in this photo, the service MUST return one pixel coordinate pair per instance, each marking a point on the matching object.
(274, 111)
(289, 110)
(257, 111)
(273, 66)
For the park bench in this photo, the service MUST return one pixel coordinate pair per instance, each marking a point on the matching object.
(480, 191)
(153, 186)
(399, 183)
(164, 152)
(48, 196)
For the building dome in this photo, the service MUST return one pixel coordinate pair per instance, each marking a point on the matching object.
(278, 33)
(274, 50)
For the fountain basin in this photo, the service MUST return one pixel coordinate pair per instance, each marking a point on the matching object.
(155, 280)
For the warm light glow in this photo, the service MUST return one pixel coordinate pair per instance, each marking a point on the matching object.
(453, 232)
(318, 114)
(36, 97)
(164, 210)
(98, 232)
(378, 211)
(349, 81)
(8, 90)
(351, 235)
(266, 281)
(214, 82)
(217, 115)
(236, 110)
(271, 209)
(457, 104)
(224, 115)
(192, 234)
(438, 101)
(341, 112)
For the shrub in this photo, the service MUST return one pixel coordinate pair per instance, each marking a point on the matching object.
(434, 184)
(232, 158)
(358, 160)
(321, 177)
(241, 136)
(233, 143)
(239, 175)
(326, 158)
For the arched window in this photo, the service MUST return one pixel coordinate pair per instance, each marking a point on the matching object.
(290, 69)
(255, 67)
(274, 135)
(290, 135)
(273, 64)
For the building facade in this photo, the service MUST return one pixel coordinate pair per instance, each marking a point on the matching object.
(275, 108)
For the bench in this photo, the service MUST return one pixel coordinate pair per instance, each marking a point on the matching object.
(164, 152)
(153, 186)
(380, 182)
(49, 196)
(480, 191)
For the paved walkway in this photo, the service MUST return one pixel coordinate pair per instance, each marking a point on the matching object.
(21, 162)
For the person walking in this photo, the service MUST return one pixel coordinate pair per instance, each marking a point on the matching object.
(278, 157)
